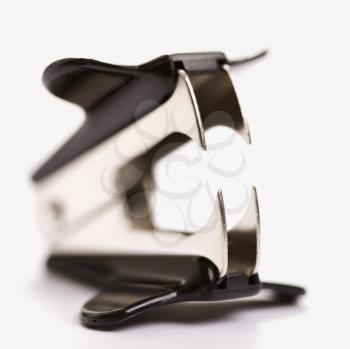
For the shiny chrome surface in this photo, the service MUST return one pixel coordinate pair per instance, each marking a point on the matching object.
(86, 208)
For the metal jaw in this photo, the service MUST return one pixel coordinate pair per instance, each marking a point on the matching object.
(98, 231)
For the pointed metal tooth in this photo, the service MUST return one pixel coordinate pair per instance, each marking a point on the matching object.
(216, 231)
(243, 240)
(223, 109)
(196, 132)
(240, 123)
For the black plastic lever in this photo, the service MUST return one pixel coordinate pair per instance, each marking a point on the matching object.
(132, 285)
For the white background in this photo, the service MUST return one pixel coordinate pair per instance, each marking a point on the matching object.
(297, 103)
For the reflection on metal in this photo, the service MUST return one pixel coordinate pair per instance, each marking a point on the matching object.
(217, 101)
(119, 209)
(243, 240)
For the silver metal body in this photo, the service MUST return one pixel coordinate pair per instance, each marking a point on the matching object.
(85, 207)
